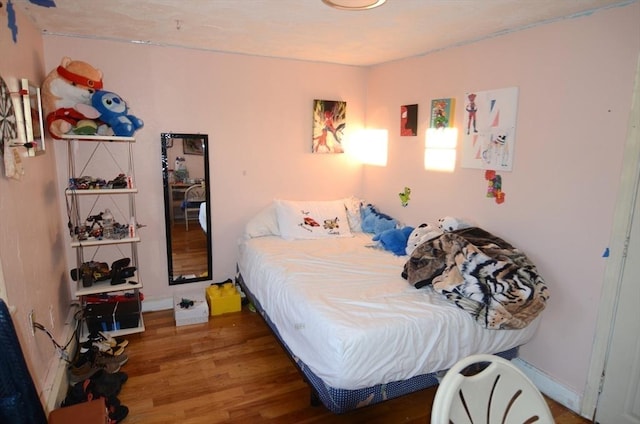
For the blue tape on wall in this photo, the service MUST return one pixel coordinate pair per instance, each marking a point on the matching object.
(44, 3)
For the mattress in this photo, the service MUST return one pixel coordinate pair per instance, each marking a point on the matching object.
(342, 308)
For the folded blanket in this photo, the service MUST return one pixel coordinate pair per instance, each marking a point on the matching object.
(482, 274)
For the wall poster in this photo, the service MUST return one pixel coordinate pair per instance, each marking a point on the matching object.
(489, 129)
(328, 126)
(408, 120)
(442, 113)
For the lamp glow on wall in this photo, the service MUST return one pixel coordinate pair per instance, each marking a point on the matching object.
(369, 146)
(440, 149)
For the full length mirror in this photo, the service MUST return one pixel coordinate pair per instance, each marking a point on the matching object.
(187, 206)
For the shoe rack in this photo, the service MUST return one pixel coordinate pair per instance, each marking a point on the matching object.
(98, 159)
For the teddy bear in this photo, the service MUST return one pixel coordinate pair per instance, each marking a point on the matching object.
(376, 222)
(422, 233)
(394, 240)
(449, 223)
(66, 95)
(114, 112)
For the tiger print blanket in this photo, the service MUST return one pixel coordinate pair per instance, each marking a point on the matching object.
(482, 274)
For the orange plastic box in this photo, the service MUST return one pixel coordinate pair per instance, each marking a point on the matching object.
(223, 299)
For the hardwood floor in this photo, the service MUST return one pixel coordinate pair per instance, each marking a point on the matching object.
(232, 370)
(189, 253)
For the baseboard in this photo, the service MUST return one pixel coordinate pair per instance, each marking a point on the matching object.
(57, 382)
(550, 387)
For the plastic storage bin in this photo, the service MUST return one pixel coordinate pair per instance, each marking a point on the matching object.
(111, 316)
(223, 298)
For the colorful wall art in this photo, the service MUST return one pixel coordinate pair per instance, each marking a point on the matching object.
(409, 120)
(489, 129)
(328, 126)
(442, 113)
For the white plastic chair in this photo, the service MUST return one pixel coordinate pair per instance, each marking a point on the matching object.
(193, 196)
(498, 394)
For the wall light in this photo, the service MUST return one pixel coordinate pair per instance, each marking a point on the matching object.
(440, 149)
(369, 146)
(354, 4)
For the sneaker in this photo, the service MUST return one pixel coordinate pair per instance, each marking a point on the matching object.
(106, 360)
(82, 372)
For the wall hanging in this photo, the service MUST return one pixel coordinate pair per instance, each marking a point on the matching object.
(328, 126)
(490, 129)
(408, 120)
(405, 196)
(442, 113)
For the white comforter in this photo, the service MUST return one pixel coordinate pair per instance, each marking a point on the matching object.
(346, 312)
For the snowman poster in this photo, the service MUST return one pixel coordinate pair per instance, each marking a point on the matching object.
(489, 129)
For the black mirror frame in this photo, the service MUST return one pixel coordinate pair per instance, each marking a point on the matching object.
(167, 141)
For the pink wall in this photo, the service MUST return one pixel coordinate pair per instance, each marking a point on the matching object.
(575, 80)
(32, 238)
(257, 112)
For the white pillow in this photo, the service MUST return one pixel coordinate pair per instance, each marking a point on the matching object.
(312, 219)
(265, 223)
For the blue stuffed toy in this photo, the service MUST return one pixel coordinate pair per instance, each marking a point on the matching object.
(375, 222)
(113, 112)
(394, 240)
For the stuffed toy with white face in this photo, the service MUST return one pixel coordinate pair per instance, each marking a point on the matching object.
(449, 223)
(115, 113)
(422, 233)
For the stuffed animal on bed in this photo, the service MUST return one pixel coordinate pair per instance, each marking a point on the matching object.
(422, 233)
(114, 112)
(394, 240)
(375, 222)
(66, 95)
(449, 223)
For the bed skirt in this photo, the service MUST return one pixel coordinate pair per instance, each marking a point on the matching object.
(339, 400)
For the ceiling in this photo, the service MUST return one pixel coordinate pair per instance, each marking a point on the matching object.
(303, 29)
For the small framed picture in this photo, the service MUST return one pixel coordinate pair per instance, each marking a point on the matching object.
(193, 146)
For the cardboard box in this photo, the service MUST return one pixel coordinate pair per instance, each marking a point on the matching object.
(223, 298)
(187, 314)
(90, 412)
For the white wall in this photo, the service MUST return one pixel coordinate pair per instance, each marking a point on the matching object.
(575, 80)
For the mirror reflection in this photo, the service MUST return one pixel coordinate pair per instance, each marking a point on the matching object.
(185, 171)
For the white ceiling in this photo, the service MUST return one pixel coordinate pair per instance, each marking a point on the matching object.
(303, 29)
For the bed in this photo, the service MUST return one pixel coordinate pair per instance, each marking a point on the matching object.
(356, 329)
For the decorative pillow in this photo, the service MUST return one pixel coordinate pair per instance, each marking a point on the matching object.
(265, 223)
(312, 219)
(353, 205)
